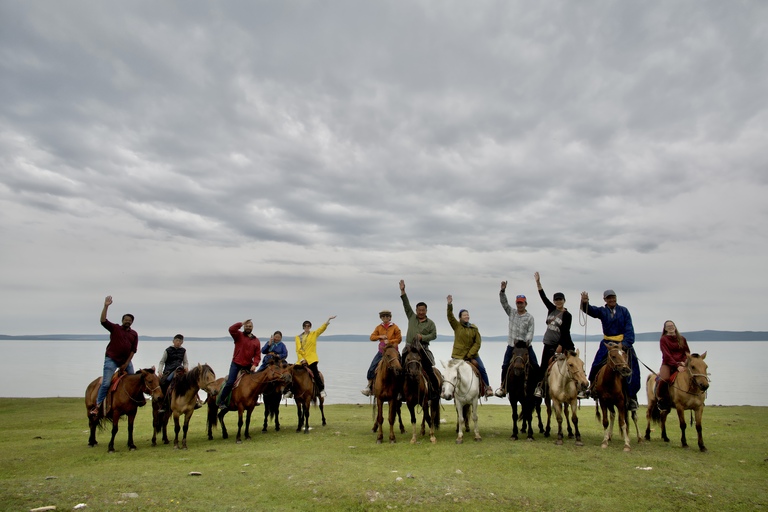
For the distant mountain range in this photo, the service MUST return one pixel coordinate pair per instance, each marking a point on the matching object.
(644, 336)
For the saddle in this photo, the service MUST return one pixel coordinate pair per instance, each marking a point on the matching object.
(476, 369)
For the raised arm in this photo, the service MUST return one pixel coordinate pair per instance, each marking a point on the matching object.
(503, 298)
(107, 303)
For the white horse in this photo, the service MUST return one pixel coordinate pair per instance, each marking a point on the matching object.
(461, 385)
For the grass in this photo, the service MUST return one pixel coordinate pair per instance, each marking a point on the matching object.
(46, 461)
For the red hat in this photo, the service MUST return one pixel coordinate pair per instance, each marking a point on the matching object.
(520, 298)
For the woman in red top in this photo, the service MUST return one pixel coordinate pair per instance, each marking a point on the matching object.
(674, 353)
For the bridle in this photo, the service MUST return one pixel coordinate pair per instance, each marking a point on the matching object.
(618, 363)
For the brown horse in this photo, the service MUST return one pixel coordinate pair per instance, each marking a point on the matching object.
(245, 394)
(125, 399)
(565, 379)
(184, 397)
(520, 385)
(687, 392)
(386, 386)
(416, 392)
(609, 393)
(305, 392)
(273, 395)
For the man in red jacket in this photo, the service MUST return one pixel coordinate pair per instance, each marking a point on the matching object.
(246, 357)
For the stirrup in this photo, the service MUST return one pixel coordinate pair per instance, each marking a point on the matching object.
(538, 393)
(500, 393)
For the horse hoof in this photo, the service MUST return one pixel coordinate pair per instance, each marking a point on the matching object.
(702, 449)
(378, 441)
(530, 439)
(459, 441)
(559, 442)
(239, 441)
(579, 443)
(627, 449)
(433, 440)
(478, 439)
(391, 441)
(413, 440)
(604, 445)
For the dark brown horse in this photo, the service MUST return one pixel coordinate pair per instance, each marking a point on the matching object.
(609, 393)
(273, 395)
(521, 380)
(125, 399)
(304, 393)
(244, 395)
(386, 387)
(687, 392)
(416, 392)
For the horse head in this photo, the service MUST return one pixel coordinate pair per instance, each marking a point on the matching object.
(391, 359)
(206, 378)
(413, 366)
(698, 370)
(576, 369)
(450, 378)
(618, 360)
(519, 359)
(151, 383)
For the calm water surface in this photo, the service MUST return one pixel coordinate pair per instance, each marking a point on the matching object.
(44, 368)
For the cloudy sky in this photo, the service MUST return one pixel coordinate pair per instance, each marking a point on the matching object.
(208, 162)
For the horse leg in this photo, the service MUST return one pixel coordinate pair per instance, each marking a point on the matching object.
(607, 425)
(212, 410)
(238, 439)
(538, 415)
(474, 419)
(392, 418)
(466, 417)
(648, 422)
(412, 410)
(528, 412)
(187, 417)
(399, 409)
(459, 421)
(277, 416)
(248, 413)
(548, 404)
(176, 429)
(434, 419)
(300, 414)
(379, 420)
(567, 406)
(624, 428)
(266, 415)
(698, 413)
(513, 403)
(663, 420)
(165, 419)
(322, 412)
(681, 417)
(155, 423)
(575, 419)
(92, 424)
(306, 417)
(224, 433)
(559, 417)
(131, 417)
(633, 414)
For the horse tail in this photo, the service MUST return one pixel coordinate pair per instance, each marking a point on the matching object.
(436, 415)
(655, 414)
(212, 419)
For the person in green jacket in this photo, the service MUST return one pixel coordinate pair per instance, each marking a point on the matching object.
(466, 343)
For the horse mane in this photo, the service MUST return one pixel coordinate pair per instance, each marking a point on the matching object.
(185, 381)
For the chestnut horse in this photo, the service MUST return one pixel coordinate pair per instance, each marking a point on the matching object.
(416, 392)
(687, 392)
(273, 395)
(461, 385)
(245, 394)
(125, 399)
(305, 392)
(521, 380)
(565, 379)
(609, 393)
(387, 385)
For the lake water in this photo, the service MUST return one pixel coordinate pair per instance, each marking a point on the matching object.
(44, 368)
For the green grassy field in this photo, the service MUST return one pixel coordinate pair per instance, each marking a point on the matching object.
(46, 461)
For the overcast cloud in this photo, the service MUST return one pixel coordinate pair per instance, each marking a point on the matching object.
(208, 162)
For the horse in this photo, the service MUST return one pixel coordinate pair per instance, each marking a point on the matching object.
(609, 393)
(273, 395)
(244, 397)
(304, 392)
(416, 392)
(687, 392)
(125, 399)
(520, 386)
(565, 379)
(387, 385)
(183, 389)
(461, 385)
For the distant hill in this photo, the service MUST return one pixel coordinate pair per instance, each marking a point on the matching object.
(706, 335)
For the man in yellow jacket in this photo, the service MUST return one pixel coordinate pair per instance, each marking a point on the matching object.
(306, 349)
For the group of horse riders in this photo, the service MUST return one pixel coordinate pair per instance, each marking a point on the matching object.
(616, 325)
(615, 319)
